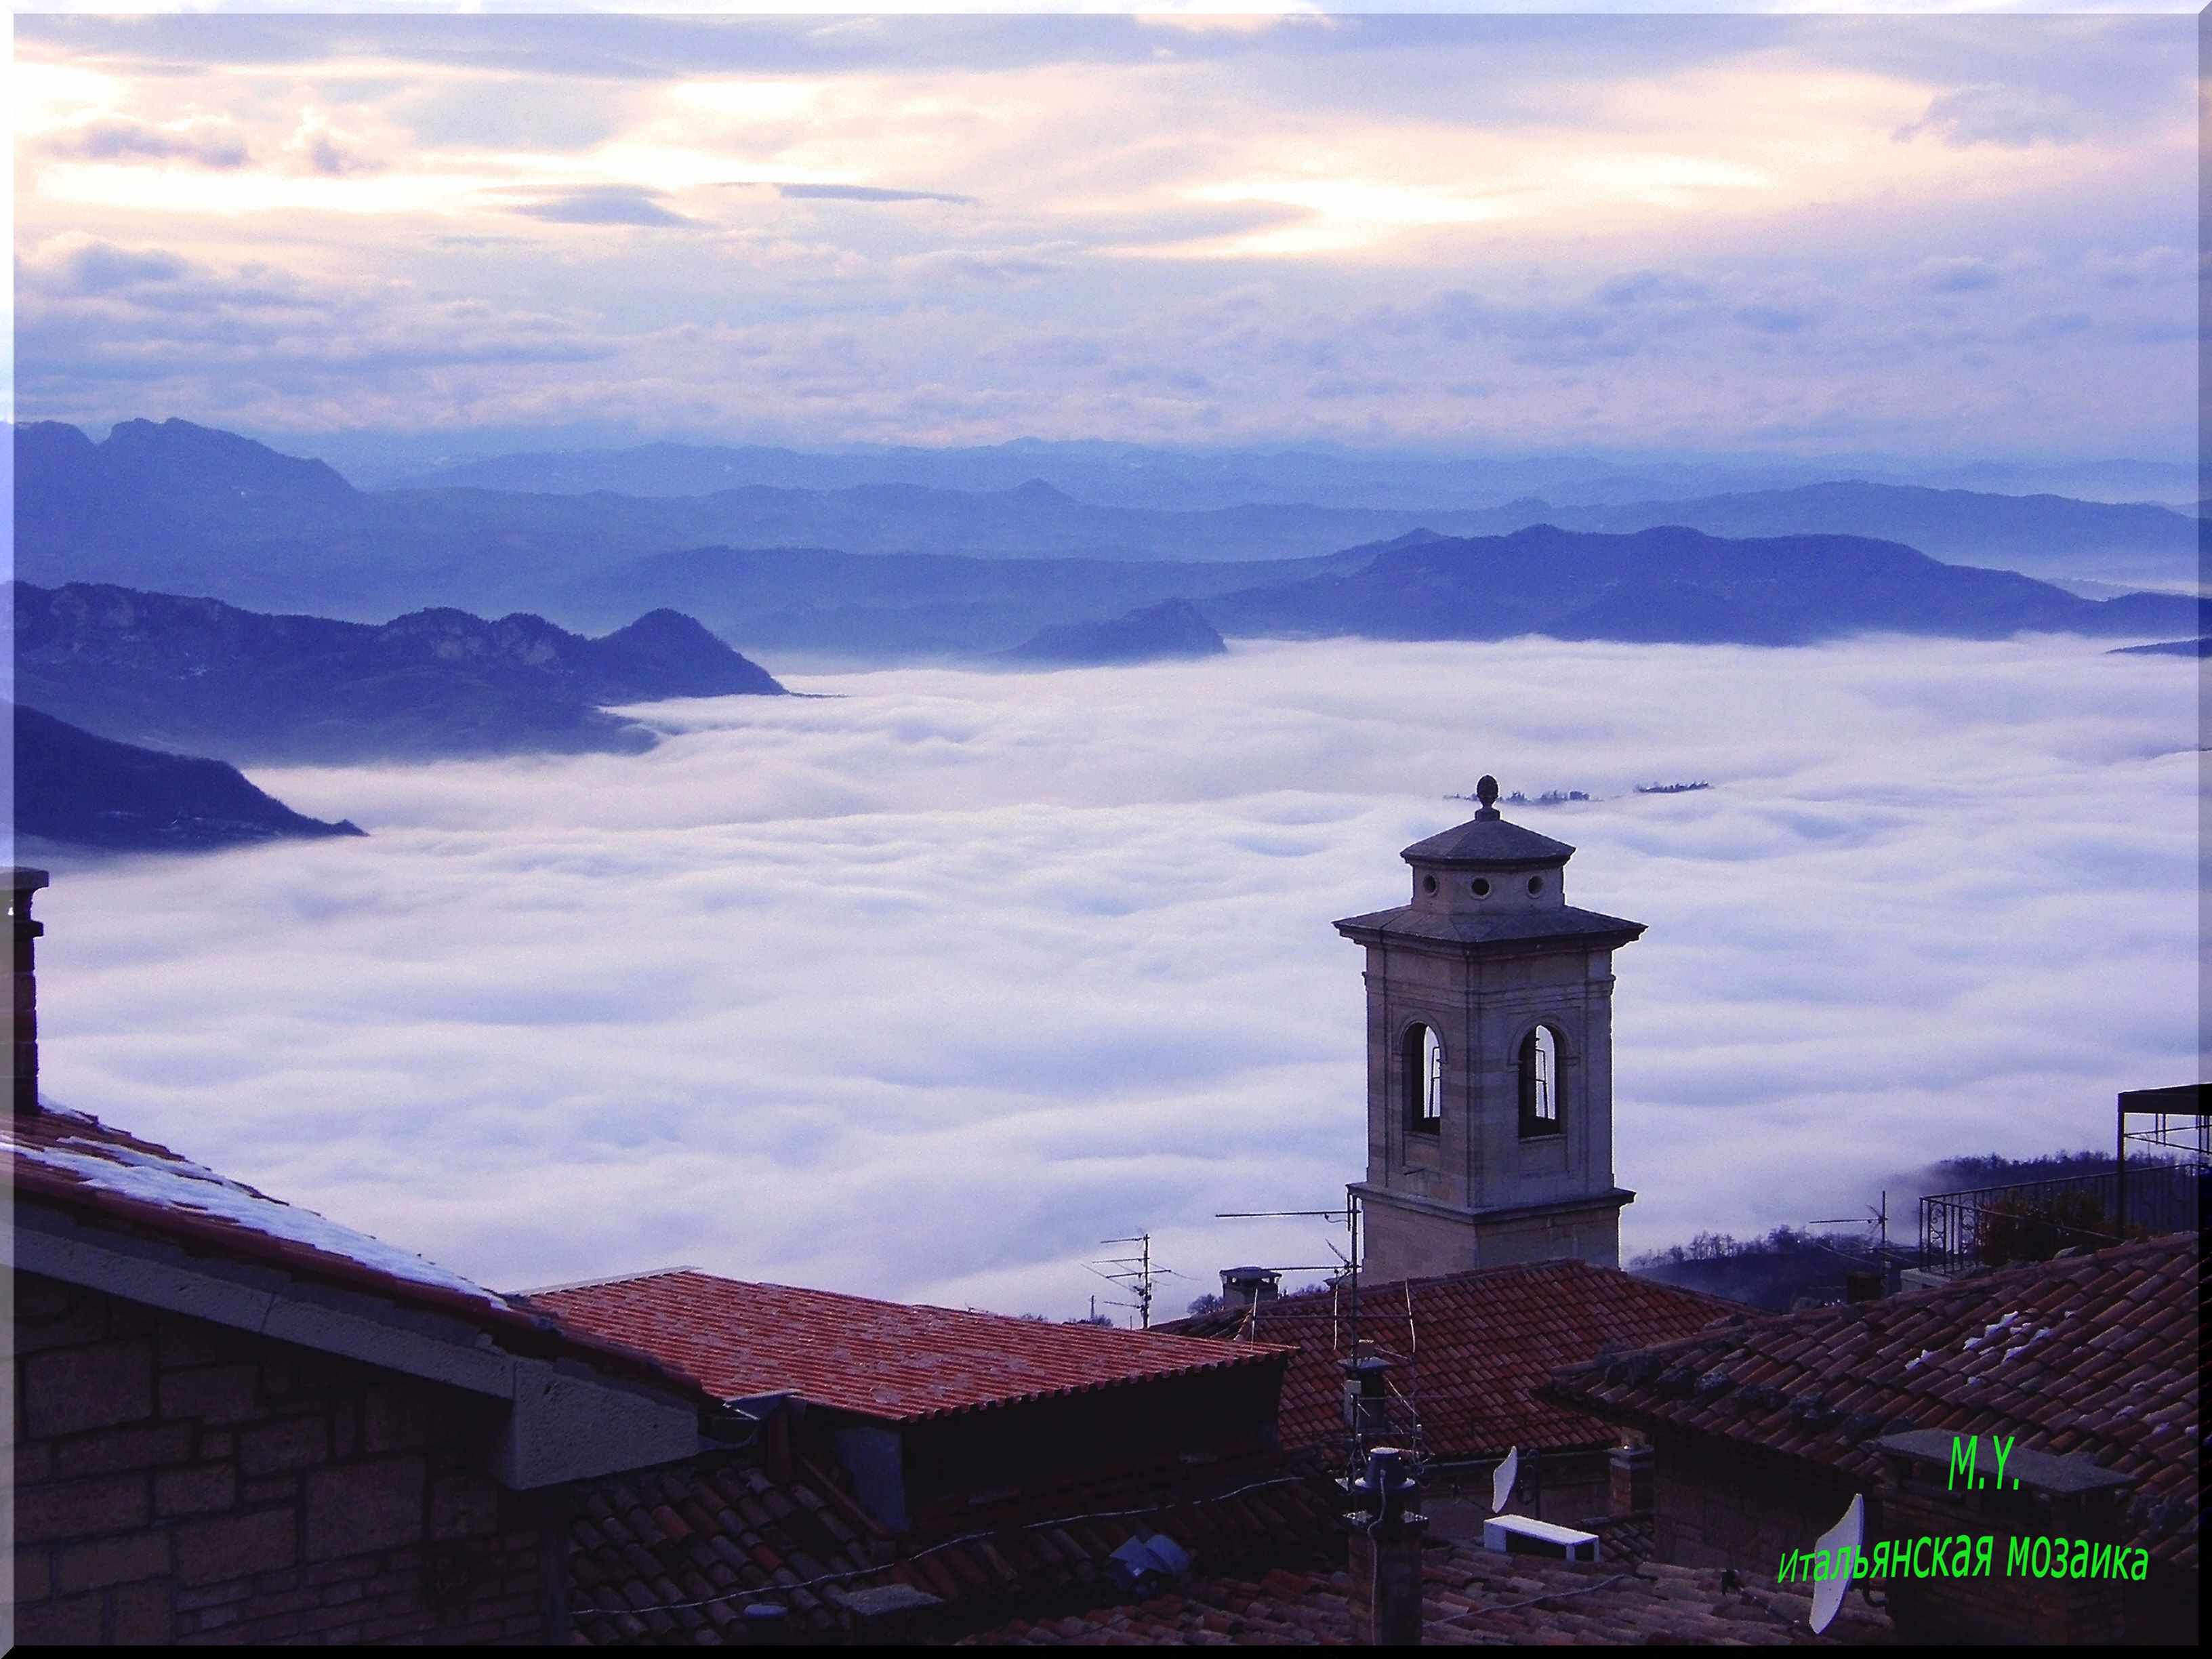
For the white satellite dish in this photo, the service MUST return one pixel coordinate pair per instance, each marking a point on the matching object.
(1841, 1544)
(1501, 1484)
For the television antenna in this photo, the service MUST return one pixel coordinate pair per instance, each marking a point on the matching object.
(1133, 1273)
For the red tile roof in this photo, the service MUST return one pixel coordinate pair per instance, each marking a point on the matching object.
(1470, 1597)
(1473, 1348)
(108, 1176)
(883, 1359)
(2095, 1354)
(677, 1554)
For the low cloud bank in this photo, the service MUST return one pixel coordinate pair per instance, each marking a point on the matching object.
(925, 990)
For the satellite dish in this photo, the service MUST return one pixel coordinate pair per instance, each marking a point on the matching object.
(1501, 1484)
(1840, 1543)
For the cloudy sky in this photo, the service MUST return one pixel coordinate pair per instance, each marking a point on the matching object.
(925, 990)
(1935, 236)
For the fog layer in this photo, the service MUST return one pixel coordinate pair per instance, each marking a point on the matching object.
(925, 990)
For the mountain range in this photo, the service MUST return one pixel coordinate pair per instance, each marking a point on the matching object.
(875, 606)
(1112, 474)
(177, 507)
(200, 675)
(1674, 585)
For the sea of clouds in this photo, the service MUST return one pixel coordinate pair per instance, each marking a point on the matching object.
(925, 989)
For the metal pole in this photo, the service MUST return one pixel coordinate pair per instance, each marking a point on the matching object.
(2120, 1167)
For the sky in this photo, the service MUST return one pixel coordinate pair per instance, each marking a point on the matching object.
(927, 989)
(1947, 236)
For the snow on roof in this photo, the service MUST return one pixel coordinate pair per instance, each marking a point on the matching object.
(76, 1159)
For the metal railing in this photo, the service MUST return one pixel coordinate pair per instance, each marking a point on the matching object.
(2033, 1220)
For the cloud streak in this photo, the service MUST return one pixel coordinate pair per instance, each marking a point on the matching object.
(921, 990)
(113, 139)
(604, 205)
(865, 193)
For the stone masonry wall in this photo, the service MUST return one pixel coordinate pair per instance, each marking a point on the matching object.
(177, 1480)
(1710, 1510)
(1406, 1244)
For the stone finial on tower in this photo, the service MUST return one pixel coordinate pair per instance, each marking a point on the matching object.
(22, 882)
(1486, 792)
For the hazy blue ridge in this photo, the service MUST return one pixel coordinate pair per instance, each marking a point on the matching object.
(196, 673)
(2197, 648)
(1171, 630)
(1116, 474)
(1680, 585)
(77, 787)
(180, 508)
(889, 606)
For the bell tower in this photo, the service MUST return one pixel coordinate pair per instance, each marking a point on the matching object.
(1489, 1058)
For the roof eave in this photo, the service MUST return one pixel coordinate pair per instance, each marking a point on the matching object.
(529, 1328)
(1417, 858)
(1363, 931)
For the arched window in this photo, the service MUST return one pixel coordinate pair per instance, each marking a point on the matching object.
(1424, 1080)
(1540, 1084)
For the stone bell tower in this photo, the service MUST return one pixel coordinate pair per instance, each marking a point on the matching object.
(1488, 1060)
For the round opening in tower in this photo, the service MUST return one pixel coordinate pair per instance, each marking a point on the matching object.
(1536, 884)
(1428, 883)
(1481, 886)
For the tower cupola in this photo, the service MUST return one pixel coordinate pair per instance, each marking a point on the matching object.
(1488, 866)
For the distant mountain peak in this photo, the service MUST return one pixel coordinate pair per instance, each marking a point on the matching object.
(196, 674)
(1173, 627)
(214, 458)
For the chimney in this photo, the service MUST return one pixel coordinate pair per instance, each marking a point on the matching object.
(1943, 1485)
(1386, 1535)
(1242, 1287)
(23, 882)
(1862, 1284)
(1631, 1473)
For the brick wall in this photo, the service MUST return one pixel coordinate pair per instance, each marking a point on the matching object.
(179, 1480)
(2000, 1606)
(1711, 1510)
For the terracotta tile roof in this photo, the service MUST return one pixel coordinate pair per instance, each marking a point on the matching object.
(106, 1175)
(677, 1554)
(2095, 1354)
(883, 1359)
(1470, 1597)
(1477, 1346)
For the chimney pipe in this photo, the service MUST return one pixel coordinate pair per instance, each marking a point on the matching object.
(23, 882)
(1387, 1529)
(1241, 1288)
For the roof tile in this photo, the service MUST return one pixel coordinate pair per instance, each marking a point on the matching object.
(1473, 1347)
(883, 1359)
(2114, 1344)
